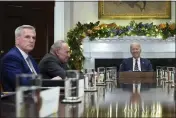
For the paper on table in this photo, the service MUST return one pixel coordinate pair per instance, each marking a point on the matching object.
(50, 101)
(56, 78)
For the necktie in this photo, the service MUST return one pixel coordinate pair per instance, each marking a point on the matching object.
(31, 66)
(136, 65)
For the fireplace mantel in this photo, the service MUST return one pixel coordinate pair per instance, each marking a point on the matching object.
(114, 48)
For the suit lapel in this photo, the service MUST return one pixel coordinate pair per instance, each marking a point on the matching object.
(142, 64)
(24, 62)
(131, 64)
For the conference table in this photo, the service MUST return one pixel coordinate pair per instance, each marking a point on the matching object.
(113, 101)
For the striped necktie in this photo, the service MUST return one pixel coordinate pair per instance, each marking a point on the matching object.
(136, 65)
(31, 66)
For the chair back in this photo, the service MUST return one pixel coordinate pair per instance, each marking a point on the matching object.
(1, 87)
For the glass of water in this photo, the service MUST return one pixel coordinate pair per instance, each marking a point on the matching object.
(90, 80)
(71, 84)
(28, 101)
(101, 72)
(171, 74)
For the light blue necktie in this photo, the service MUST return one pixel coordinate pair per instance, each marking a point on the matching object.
(31, 66)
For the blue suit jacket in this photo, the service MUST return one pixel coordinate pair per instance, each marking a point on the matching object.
(13, 63)
(127, 65)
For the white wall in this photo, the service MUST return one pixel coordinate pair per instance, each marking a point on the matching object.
(58, 21)
(63, 19)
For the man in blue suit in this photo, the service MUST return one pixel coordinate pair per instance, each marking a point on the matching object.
(135, 63)
(18, 60)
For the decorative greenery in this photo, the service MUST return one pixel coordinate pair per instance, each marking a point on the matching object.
(96, 30)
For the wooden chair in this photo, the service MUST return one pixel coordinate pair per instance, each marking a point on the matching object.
(1, 87)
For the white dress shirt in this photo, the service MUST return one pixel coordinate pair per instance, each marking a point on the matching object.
(25, 56)
(139, 63)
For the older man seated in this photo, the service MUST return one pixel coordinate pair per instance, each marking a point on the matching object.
(18, 60)
(54, 63)
(135, 63)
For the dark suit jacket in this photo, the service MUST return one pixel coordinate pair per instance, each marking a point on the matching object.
(127, 65)
(50, 66)
(13, 63)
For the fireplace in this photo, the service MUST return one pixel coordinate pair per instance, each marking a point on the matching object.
(111, 51)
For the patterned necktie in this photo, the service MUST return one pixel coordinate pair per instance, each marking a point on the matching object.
(31, 66)
(136, 65)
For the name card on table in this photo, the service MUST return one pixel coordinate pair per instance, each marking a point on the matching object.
(50, 101)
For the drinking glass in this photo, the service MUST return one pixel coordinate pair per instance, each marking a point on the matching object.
(90, 80)
(111, 74)
(28, 101)
(171, 74)
(72, 87)
(101, 72)
(158, 72)
(71, 83)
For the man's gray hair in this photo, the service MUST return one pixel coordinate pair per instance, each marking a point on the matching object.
(19, 29)
(56, 45)
(135, 43)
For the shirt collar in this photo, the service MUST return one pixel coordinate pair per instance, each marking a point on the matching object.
(24, 54)
(137, 59)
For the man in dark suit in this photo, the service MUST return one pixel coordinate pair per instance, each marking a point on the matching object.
(54, 63)
(135, 63)
(17, 60)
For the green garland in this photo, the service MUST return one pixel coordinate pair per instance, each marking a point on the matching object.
(96, 30)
